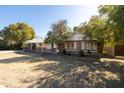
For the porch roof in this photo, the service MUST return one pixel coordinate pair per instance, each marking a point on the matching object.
(35, 40)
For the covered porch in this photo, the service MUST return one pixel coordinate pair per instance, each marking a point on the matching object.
(34, 45)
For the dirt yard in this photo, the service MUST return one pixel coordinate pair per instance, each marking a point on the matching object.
(54, 70)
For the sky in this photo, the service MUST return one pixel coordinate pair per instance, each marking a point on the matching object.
(41, 17)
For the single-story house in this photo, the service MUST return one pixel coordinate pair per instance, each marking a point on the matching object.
(73, 45)
(77, 42)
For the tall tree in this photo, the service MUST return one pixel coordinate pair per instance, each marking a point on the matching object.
(50, 38)
(59, 33)
(107, 27)
(95, 28)
(16, 34)
(115, 15)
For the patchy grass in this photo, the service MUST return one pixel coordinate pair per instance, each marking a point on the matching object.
(51, 70)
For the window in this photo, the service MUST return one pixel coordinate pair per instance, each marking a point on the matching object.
(78, 45)
(70, 45)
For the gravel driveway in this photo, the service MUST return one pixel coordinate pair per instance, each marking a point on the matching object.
(19, 69)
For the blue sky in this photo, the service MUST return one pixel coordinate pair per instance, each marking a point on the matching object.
(41, 17)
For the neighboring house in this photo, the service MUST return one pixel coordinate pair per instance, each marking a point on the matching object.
(119, 50)
(116, 50)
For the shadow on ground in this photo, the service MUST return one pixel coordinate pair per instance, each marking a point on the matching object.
(27, 57)
(77, 72)
(72, 72)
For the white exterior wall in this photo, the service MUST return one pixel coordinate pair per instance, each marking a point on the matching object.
(94, 46)
(48, 46)
(89, 45)
(54, 45)
(75, 45)
(44, 45)
(83, 45)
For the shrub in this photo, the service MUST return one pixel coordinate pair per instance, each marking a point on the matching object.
(69, 53)
(89, 52)
(34, 47)
(4, 47)
(81, 53)
(64, 51)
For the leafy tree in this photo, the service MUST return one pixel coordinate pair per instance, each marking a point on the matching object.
(96, 28)
(59, 33)
(107, 27)
(84, 29)
(75, 28)
(16, 34)
(50, 38)
(115, 15)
